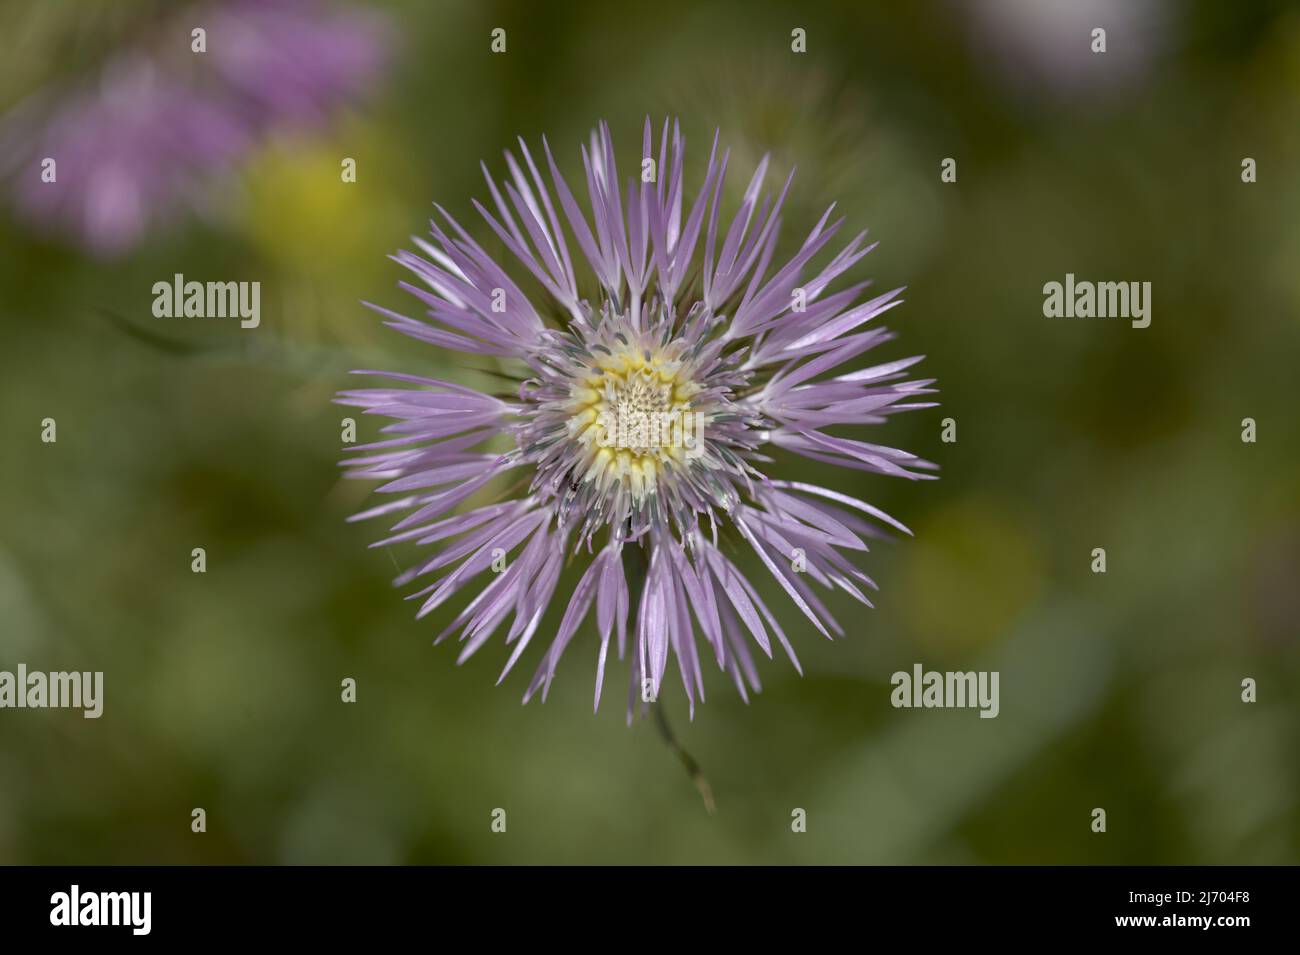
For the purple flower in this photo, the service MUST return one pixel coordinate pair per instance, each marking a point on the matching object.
(137, 145)
(691, 317)
(294, 61)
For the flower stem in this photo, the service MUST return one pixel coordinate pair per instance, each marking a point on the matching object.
(688, 761)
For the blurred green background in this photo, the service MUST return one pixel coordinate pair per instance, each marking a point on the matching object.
(1119, 691)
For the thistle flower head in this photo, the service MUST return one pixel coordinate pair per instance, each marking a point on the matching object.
(661, 356)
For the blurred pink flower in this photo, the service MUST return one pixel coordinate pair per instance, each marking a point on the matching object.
(139, 143)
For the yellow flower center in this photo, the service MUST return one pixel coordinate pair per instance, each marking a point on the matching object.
(633, 415)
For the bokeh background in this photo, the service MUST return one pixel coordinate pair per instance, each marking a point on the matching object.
(1119, 691)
